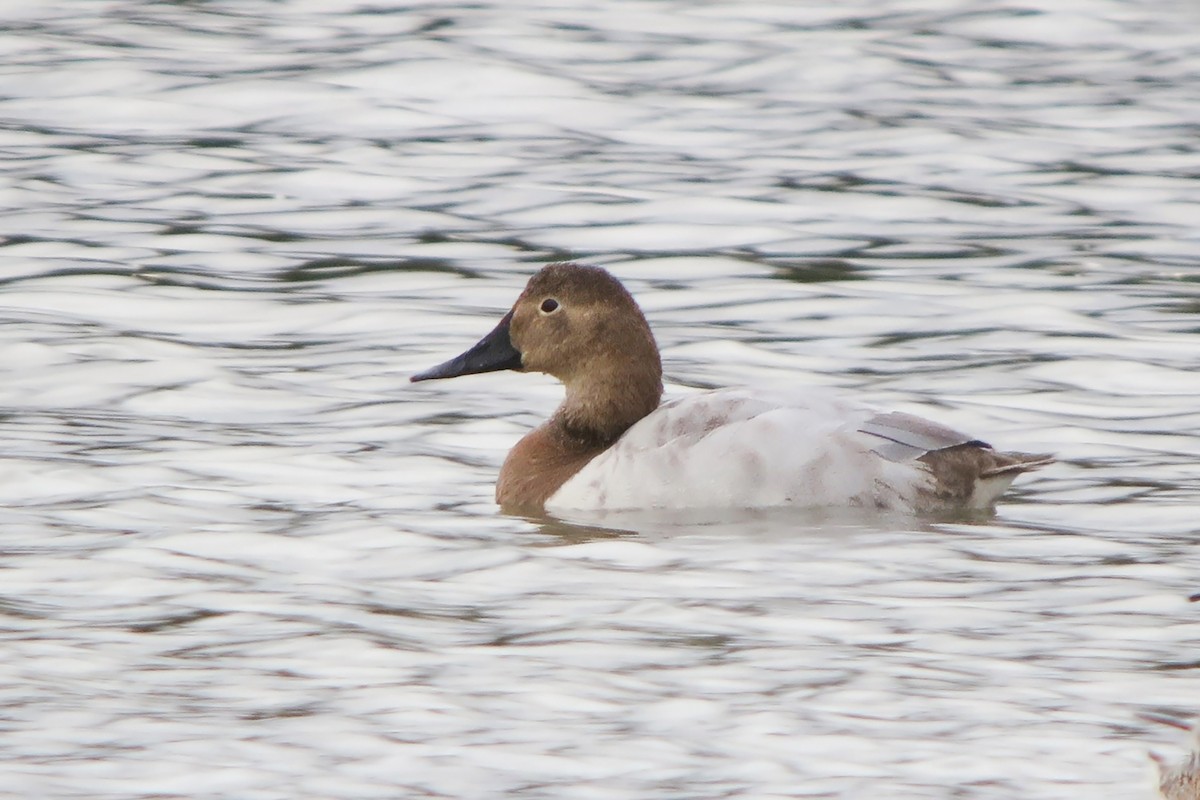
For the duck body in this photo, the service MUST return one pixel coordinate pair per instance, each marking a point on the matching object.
(612, 446)
(758, 448)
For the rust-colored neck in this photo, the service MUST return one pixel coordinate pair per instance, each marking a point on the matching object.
(598, 409)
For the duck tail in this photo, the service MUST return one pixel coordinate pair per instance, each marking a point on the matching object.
(1016, 463)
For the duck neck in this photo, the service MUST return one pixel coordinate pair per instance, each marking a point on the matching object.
(602, 404)
(596, 411)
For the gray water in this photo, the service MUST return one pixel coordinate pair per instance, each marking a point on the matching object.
(244, 558)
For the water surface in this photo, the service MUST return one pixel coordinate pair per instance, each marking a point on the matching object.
(245, 558)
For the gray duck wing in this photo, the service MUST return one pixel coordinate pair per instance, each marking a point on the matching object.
(905, 437)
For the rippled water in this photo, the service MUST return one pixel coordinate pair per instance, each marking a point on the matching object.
(244, 558)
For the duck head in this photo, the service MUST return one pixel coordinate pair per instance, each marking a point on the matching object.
(574, 322)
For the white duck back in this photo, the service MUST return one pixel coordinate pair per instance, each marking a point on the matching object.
(751, 449)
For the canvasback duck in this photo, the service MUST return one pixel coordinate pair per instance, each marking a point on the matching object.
(612, 446)
(1179, 781)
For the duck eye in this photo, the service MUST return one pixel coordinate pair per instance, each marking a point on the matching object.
(549, 305)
